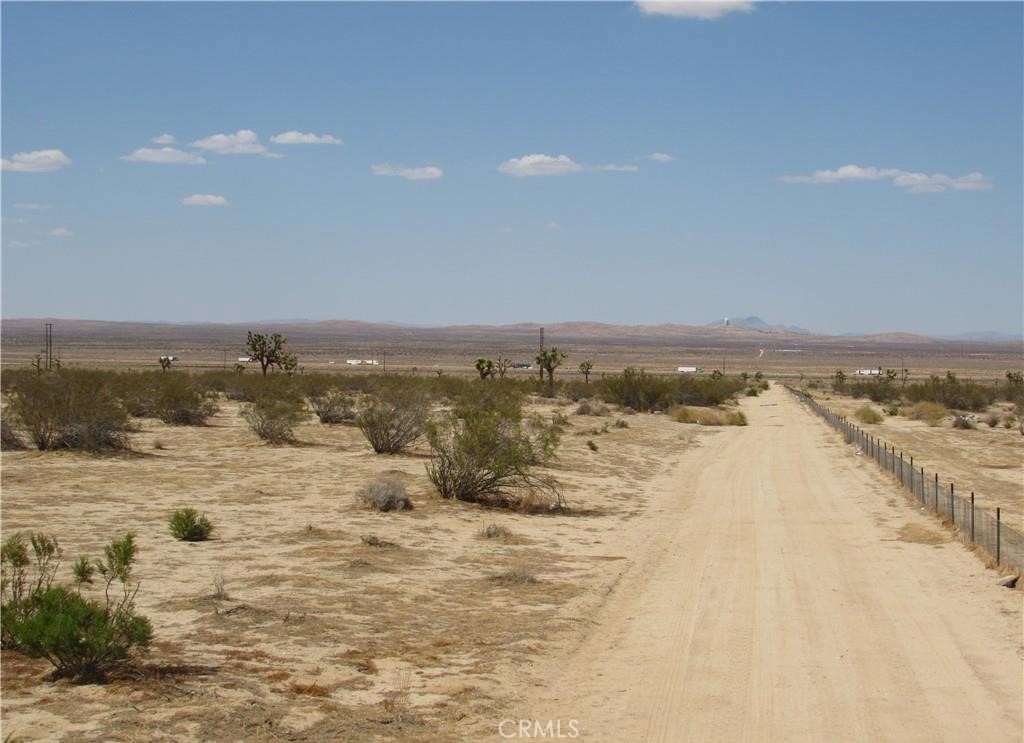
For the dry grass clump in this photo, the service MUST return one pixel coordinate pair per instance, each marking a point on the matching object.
(867, 414)
(592, 408)
(931, 413)
(493, 531)
(517, 576)
(708, 416)
(385, 494)
(371, 540)
(333, 407)
(963, 422)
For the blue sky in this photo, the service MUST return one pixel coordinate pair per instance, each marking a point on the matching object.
(844, 167)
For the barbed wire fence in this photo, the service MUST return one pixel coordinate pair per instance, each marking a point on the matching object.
(975, 526)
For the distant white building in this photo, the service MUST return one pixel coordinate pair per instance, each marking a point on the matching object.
(245, 359)
(868, 372)
(690, 369)
(362, 362)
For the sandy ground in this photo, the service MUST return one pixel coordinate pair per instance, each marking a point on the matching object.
(786, 592)
(988, 461)
(756, 583)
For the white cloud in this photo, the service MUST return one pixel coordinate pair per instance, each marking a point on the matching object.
(31, 205)
(423, 173)
(617, 168)
(242, 142)
(12, 220)
(660, 157)
(704, 10)
(553, 225)
(164, 155)
(294, 137)
(18, 244)
(37, 161)
(535, 165)
(204, 199)
(912, 182)
(165, 139)
(60, 232)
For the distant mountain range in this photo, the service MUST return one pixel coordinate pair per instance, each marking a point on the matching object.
(756, 323)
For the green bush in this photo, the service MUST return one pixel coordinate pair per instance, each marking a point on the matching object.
(394, 419)
(641, 391)
(180, 401)
(963, 422)
(274, 419)
(867, 414)
(83, 638)
(953, 393)
(70, 409)
(385, 495)
(333, 406)
(486, 454)
(188, 525)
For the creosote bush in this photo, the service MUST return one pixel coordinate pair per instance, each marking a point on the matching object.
(273, 419)
(963, 422)
(867, 414)
(180, 402)
(9, 439)
(645, 392)
(394, 419)
(82, 638)
(708, 416)
(485, 453)
(70, 409)
(188, 525)
(333, 406)
(386, 494)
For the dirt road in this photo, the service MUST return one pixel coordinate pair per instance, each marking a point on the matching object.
(788, 594)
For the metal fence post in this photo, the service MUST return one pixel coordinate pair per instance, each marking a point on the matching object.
(972, 518)
(999, 545)
(952, 509)
(936, 492)
(902, 479)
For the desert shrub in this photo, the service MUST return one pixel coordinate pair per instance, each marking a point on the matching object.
(486, 454)
(876, 390)
(592, 408)
(867, 414)
(70, 409)
(963, 422)
(17, 590)
(188, 525)
(576, 391)
(394, 419)
(621, 423)
(9, 439)
(84, 638)
(641, 391)
(333, 406)
(385, 494)
(752, 392)
(953, 393)
(708, 416)
(931, 413)
(274, 419)
(591, 445)
(992, 420)
(892, 410)
(517, 576)
(181, 402)
(1009, 421)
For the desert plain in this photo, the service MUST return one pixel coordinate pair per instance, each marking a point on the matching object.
(758, 582)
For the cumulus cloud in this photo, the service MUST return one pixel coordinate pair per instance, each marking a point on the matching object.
(536, 165)
(204, 199)
(660, 157)
(613, 168)
(704, 10)
(423, 173)
(242, 142)
(31, 205)
(911, 181)
(36, 161)
(164, 155)
(60, 232)
(294, 137)
(164, 139)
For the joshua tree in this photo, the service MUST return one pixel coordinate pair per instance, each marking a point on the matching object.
(502, 365)
(585, 367)
(484, 367)
(269, 351)
(165, 362)
(548, 360)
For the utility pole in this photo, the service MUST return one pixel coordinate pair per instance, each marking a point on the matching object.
(385, 362)
(49, 345)
(542, 339)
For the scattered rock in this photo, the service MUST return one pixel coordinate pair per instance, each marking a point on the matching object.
(1009, 581)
